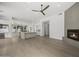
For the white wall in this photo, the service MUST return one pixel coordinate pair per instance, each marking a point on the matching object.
(56, 26)
(38, 27)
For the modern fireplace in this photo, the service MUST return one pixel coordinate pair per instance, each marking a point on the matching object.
(73, 34)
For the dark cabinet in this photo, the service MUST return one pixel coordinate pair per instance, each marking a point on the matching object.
(2, 35)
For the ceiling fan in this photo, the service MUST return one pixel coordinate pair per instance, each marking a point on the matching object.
(42, 9)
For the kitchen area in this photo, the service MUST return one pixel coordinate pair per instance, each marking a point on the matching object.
(4, 29)
(17, 31)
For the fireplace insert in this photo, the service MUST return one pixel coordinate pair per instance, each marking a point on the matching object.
(73, 34)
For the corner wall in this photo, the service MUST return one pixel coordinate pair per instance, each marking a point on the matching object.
(72, 22)
(72, 18)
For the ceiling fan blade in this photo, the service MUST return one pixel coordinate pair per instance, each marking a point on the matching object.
(45, 7)
(43, 13)
(36, 10)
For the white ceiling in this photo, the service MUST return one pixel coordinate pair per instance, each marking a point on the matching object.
(23, 10)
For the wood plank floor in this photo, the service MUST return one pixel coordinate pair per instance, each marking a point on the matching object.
(37, 47)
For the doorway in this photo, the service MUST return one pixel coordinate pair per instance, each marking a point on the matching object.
(46, 28)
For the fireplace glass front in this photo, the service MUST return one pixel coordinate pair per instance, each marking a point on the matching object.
(73, 34)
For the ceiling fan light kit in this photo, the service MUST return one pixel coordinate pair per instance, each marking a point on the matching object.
(42, 9)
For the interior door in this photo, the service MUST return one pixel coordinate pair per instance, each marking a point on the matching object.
(46, 28)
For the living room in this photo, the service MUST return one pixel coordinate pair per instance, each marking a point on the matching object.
(39, 29)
